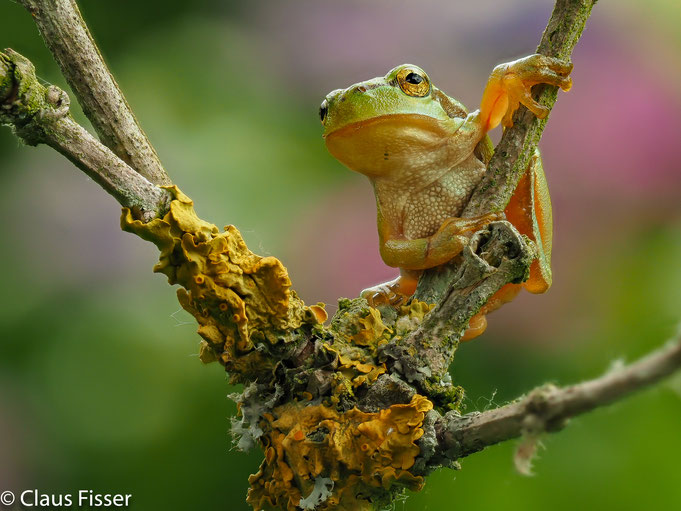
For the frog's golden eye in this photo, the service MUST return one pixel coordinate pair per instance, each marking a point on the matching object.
(413, 82)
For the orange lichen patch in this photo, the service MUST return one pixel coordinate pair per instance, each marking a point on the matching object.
(320, 312)
(365, 455)
(358, 371)
(363, 325)
(206, 353)
(239, 299)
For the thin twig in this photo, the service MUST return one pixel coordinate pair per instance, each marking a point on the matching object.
(116, 177)
(68, 38)
(548, 408)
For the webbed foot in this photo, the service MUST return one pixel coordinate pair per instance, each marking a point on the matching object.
(510, 86)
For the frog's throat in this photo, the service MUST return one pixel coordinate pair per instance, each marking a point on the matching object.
(397, 147)
(444, 127)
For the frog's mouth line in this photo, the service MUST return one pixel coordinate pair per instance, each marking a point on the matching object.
(401, 121)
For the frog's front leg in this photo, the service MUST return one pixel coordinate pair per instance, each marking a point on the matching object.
(509, 86)
(434, 250)
(414, 255)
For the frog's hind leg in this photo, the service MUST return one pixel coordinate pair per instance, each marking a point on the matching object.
(395, 292)
(478, 323)
(529, 210)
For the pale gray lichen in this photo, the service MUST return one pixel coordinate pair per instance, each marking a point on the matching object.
(255, 401)
(322, 490)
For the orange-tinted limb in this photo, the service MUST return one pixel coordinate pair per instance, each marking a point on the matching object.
(529, 210)
(510, 85)
(413, 256)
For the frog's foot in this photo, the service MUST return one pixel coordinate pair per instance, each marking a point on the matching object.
(510, 85)
(478, 323)
(452, 236)
(394, 293)
(476, 326)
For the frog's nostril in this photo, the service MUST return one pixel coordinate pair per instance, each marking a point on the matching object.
(323, 110)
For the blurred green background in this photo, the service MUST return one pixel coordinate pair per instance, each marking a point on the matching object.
(100, 384)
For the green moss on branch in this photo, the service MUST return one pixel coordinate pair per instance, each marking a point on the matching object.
(39, 114)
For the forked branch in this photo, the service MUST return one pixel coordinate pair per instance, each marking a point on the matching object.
(368, 373)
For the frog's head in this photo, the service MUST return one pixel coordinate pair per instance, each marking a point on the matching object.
(399, 121)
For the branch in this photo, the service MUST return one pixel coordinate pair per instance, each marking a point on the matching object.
(322, 400)
(548, 408)
(39, 114)
(512, 154)
(66, 35)
(431, 347)
(495, 256)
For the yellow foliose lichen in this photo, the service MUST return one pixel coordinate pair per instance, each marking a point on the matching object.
(364, 455)
(411, 315)
(371, 331)
(360, 332)
(239, 299)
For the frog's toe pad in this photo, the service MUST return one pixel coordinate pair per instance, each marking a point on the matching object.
(383, 294)
(476, 327)
(394, 293)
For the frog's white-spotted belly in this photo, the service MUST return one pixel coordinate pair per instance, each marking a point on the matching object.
(426, 209)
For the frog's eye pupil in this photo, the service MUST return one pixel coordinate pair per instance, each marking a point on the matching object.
(323, 110)
(413, 78)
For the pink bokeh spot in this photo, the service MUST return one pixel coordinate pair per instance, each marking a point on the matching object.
(609, 122)
(345, 259)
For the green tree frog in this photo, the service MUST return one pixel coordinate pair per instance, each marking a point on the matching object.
(424, 155)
